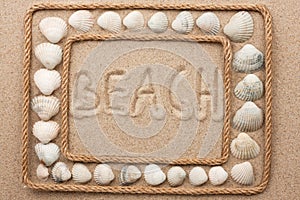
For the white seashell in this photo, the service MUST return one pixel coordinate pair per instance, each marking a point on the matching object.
(209, 23)
(60, 172)
(45, 106)
(47, 153)
(198, 176)
(110, 21)
(45, 131)
(217, 175)
(53, 28)
(81, 20)
(248, 59)
(134, 21)
(184, 22)
(244, 147)
(158, 23)
(50, 55)
(80, 173)
(154, 175)
(240, 27)
(47, 80)
(249, 89)
(176, 176)
(248, 118)
(243, 173)
(129, 174)
(103, 174)
(42, 172)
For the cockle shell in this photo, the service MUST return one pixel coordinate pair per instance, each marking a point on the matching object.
(184, 22)
(60, 172)
(198, 176)
(244, 147)
(248, 118)
(134, 21)
(47, 153)
(45, 131)
(53, 28)
(47, 80)
(45, 106)
(154, 175)
(80, 173)
(249, 89)
(103, 174)
(209, 23)
(81, 20)
(240, 27)
(110, 21)
(248, 59)
(176, 176)
(129, 174)
(243, 173)
(158, 23)
(217, 175)
(42, 172)
(50, 55)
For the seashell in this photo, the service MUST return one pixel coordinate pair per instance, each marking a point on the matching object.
(198, 176)
(248, 118)
(50, 55)
(249, 89)
(217, 175)
(243, 173)
(154, 175)
(176, 176)
(45, 106)
(244, 147)
(110, 21)
(184, 22)
(103, 174)
(47, 153)
(53, 28)
(240, 27)
(45, 131)
(248, 59)
(60, 172)
(134, 21)
(208, 23)
(81, 20)
(81, 173)
(129, 174)
(47, 80)
(158, 23)
(42, 172)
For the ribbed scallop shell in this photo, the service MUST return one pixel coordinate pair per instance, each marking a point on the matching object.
(110, 21)
(45, 106)
(47, 153)
(244, 147)
(129, 174)
(53, 28)
(248, 59)
(103, 174)
(248, 118)
(134, 21)
(60, 172)
(176, 176)
(81, 20)
(42, 172)
(47, 80)
(184, 22)
(243, 173)
(209, 23)
(217, 175)
(198, 176)
(50, 55)
(45, 131)
(240, 27)
(158, 23)
(80, 173)
(249, 89)
(154, 175)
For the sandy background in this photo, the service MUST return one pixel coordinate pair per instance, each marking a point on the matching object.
(284, 182)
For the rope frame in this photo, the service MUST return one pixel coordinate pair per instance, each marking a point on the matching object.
(142, 189)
